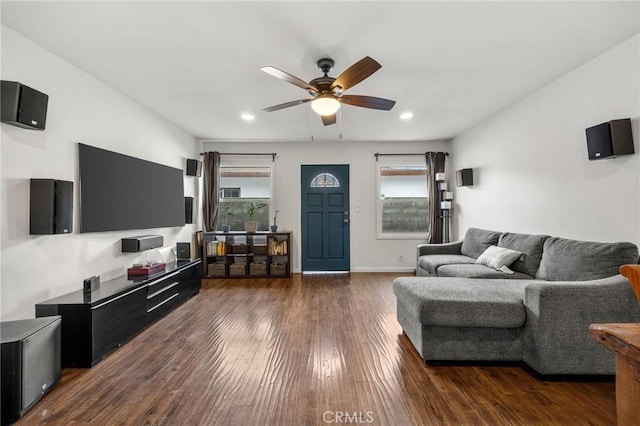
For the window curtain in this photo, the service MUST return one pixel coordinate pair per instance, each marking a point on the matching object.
(211, 202)
(435, 164)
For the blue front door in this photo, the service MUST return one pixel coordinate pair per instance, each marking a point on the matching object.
(325, 218)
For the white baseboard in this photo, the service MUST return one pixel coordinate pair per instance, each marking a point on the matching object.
(403, 269)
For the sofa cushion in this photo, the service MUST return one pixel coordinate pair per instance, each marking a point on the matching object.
(571, 260)
(479, 271)
(477, 240)
(498, 258)
(462, 302)
(531, 248)
(432, 262)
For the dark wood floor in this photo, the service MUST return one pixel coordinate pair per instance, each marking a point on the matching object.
(309, 350)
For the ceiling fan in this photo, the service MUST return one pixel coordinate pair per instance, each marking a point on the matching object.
(327, 92)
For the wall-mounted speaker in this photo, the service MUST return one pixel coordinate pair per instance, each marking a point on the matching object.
(23, 106)
(188, 209)
(51, 207)
(194, 167)
(610, 139)
(183, 250)
(464, 177)
(30, 363)
(141, 243)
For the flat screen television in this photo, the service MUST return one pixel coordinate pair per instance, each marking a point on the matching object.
(119, 192)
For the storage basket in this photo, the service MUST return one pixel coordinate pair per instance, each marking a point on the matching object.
(217, 269)
(259, 249)
(258, 268)
(238, 248)
(278, 268)
(238, 268)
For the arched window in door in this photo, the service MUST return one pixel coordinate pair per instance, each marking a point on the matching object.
(325, 180)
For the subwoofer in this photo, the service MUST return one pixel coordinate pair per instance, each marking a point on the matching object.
(51, 207)
(30, 363)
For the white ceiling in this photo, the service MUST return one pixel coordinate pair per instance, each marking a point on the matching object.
(453, 64)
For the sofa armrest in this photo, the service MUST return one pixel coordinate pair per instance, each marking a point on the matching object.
(557, 339)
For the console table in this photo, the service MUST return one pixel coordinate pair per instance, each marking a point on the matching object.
(93, 324)
(624, 339)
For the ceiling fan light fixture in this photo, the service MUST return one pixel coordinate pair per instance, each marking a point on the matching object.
(325, 105)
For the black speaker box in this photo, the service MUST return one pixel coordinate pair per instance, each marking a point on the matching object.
(464, 177)
(183, 250)
(141, 243)
(194, 167)
(51, 207)
(23, 106)
(188, 209)
(610, 139)
(30, 363)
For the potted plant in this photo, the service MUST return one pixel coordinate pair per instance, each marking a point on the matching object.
(225, 215)
(252, 210)
(274, 227)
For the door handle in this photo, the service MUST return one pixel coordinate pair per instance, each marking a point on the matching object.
(345, 221)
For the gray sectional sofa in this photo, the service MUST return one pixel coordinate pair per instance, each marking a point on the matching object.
(536, 309)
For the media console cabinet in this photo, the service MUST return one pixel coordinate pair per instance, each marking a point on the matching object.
(94, 324)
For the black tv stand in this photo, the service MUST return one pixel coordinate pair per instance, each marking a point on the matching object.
(96, 323)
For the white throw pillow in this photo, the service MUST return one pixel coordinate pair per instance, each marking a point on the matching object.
(498, 258)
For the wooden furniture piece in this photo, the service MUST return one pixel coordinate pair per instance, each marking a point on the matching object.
(624, 339)
(632, 273)
(93, 324)
(245, 254)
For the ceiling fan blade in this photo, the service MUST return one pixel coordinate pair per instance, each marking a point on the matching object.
(289, 78)
(286, 105)
(367, 102)
(328, 120)
(356, 73)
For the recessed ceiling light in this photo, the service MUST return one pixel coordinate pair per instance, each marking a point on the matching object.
(406, 115)
(247, 117)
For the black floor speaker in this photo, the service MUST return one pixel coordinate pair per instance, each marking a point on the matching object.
(30, 363)
(51, 207)
(23, 106)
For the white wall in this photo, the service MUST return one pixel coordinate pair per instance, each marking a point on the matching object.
(81, 109)
(367, 252)
(531, 170)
